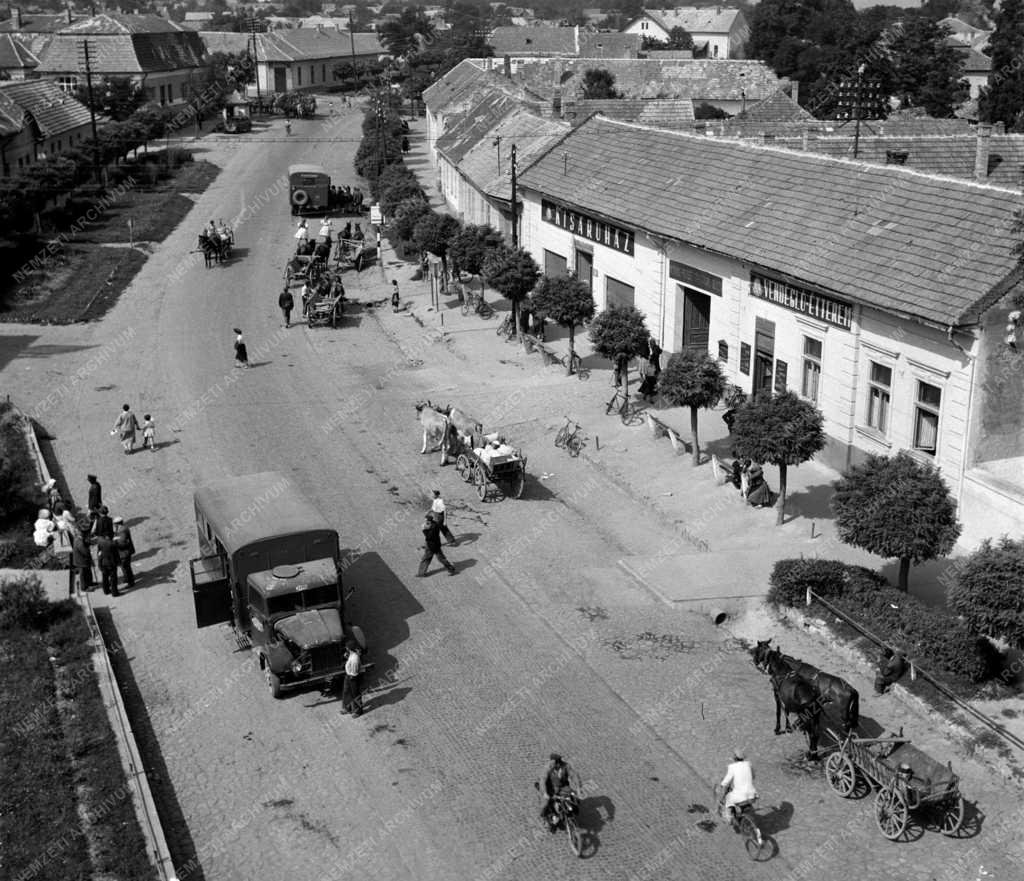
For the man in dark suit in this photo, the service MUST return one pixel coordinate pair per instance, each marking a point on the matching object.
(432, 548)
(125, 550)
(95, 497)
(106, 557)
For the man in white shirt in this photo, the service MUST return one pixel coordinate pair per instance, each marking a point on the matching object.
(438, 509)
(738, 783)
(352, 689)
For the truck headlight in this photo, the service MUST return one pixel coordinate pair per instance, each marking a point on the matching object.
(296, 666)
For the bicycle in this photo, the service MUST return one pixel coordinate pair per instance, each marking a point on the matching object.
(507, 328)
(744, 821)
(576, 366)
(566, 807)
(476, 303)
(571, 441)
(629, 413)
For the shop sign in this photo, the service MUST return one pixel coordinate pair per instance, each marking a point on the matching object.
(597, 231)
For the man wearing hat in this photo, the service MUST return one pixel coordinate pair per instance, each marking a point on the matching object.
(125, 549)
(559, 778)
(103, 526)
(438, 509)
(106, 557)
(432, 548)
(738, 783)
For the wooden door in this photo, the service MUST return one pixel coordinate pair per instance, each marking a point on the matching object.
(696, 321)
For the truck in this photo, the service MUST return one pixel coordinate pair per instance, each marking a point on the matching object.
(270, 567)
(309, 189)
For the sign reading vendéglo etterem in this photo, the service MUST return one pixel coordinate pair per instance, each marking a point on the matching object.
(614, 237)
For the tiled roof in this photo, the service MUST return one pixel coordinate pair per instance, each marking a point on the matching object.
(53, 111)
(37, 23)
(466, 85)
(950, 156)
(226, 42)
(695, 19)
(123, 44)
(463, 134)
(976, 62)
(14, 55)
(534, 41)
(702, 79)
(296, 44)
(438, 94)
(605, 45)
(889, 237)
(12, 117)
(673, 113)
(777, 107)
(894, 126)
(532, 135)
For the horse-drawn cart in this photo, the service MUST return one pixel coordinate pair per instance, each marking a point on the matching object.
(907, 781)
(493, 462)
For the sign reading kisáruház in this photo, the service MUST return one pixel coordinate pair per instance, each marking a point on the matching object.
(614, 237)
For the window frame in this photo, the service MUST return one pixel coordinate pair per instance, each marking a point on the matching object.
(922, 408)
(873, 385)
(809, 364)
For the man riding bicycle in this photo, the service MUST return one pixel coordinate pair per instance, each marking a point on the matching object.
(559, 779)
(738, 783)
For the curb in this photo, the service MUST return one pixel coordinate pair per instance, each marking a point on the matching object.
(128, 749)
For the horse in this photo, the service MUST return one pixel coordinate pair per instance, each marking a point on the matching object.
(794, 695)
(834, 690)
(435, 428)
(208, 248)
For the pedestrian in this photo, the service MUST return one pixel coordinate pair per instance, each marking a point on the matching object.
(646, 379)
(346, 232)
(352, 689)
(288, 127)
(891, 667)
(432, 547)
(302, 231)
(125, 549)
(148, 433)
(287, 302)
(53, 497)
(330, 107)
(125, 426)
(621, 369)
(81, 561)
(95, 498)
(103, 525)
(438, 509)
(395, 299)
(326, 228)
(241, 354)
(106, 557)
(405, 145)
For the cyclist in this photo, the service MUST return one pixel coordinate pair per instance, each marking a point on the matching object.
(559, 779)
(738, 783)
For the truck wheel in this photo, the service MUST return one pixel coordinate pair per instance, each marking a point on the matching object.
(273, 683)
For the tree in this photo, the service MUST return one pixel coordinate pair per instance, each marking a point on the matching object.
(115, 97)
(782, 429)
(620, 334)
(1002, 100)
(924, 70)
(432, 233)
(470, 245)
(599, 83)
(566, 301)
(679, 38)
(692, 379)
(989, 590)
(896, 507)
(709, 111)
(513, 273)
(402, 36)
(402, 221)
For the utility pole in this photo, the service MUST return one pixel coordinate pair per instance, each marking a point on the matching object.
(255, 63)
(497, 143)
(86, 62)
(856, 110)
(352, 44)
(515, 203)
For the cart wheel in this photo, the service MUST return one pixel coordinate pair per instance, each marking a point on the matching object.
(518, 482)
(480, 479)
(463, 467)
(952, 816)
(840, 774)
(891, 813)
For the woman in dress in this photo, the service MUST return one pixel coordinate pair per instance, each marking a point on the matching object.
(241, 355)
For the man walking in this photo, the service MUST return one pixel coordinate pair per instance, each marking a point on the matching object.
(438, 509)
(95, 498)
(106, 557)
(125, 549)
(432, 547)
(287, 302)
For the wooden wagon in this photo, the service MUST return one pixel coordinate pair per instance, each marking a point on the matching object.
(907, 780)
(491, 463)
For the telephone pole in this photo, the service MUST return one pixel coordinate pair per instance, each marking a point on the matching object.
(352, 44)
(515, 202)
(85, 62)
(255, 63)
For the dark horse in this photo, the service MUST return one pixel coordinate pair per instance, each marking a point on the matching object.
(834, 690)
(794, 695)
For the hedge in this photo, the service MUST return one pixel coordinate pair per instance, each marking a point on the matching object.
(933, 637)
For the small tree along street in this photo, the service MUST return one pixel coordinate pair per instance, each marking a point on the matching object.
(781, 429)
(694, 380)
(432, 233)
(469, 246)
(513, 273)
(896, 507)
(989, 590)
(620, 334)
(568, 302)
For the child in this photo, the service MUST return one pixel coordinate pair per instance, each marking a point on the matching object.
(148, 430)
(395, 300)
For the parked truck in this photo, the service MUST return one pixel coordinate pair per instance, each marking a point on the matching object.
(270, 567)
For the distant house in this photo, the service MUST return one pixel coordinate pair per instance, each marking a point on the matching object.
(38, 23)
(198, 17)
(326, 22)
(977, 68)
(16, 59)
(158, 56)
(717, 31)
(545, 41)
(963, 33)
(301, 59)
(38, 121)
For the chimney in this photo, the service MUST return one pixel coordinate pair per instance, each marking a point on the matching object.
(508, 67)
(805, 140)
(16, 18)
(981, 153)
(794, 91)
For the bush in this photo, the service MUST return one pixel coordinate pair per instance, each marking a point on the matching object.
(989, 590)
(18, 491)
(23, 604)
(932, 637)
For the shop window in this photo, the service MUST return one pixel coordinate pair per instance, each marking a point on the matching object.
(879, 397)
(619, 294)
(926, 418)
(811, 383)
(723, 351)
(745, 359)
(555, 264)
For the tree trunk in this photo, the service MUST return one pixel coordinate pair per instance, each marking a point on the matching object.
(572, 349)
(515, 322)
(696, 439)
(904, 573)
(781, 515)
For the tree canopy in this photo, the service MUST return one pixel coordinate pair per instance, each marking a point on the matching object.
(567, 301)
(513, 273)
(402, 36)
(1002, 100)
(989, 590)
(896, 507)
(692, 379)
(922, 70)
(619, 334)
(470, 245)
(599, 83)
